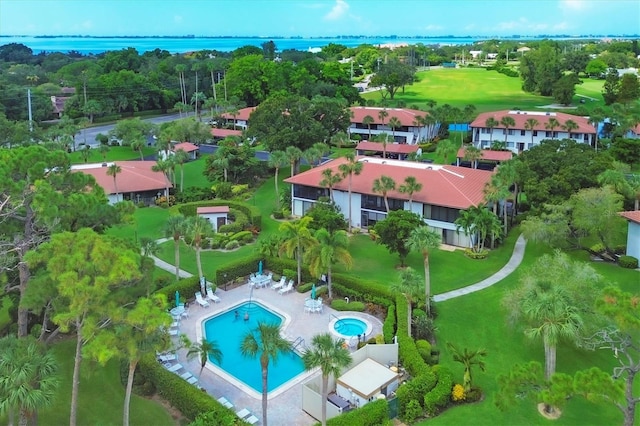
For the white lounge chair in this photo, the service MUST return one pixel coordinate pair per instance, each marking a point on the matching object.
(167, 357)
(192, 380)
(186, 375)
(243, 413)
(279, 284)
(211, 296)
(287, 288)
(224, 401)
(252, 420)
(175, 367)
(201, 301)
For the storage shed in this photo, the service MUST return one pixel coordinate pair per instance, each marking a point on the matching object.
(217, 215)
(366, 381)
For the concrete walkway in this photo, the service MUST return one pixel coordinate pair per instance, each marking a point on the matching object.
(512, 264)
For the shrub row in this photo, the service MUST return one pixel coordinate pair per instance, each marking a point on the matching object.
(629, 262)
(415, 390)
(342, 305)
(440, 396)
(373, 414)
(188, 399)
(239, 268)
(252, 212)
(186, 287)
(407, 350)
(368, 291)
(389, 325)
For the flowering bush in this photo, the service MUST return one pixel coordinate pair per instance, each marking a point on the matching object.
(162, 201)
(458, 393)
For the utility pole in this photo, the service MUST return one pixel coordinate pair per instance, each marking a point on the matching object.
(224, 75)
(29, 106)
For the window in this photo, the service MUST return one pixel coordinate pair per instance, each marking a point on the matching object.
(512, 132)
(535, 133)
(485, 130)
(510, 144)
(373, 202)
(369, 219)
(309, 192)
(443, 214)
(522, 132)
(547, 134)
(555, 134)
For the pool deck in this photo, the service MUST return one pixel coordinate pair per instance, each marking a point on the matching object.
(285, 406)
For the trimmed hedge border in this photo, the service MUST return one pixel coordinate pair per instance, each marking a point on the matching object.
(237, 269)
(187, 288)
(252, 212)
(389, 325)
(373, 414)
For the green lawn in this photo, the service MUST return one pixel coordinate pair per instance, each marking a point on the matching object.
(101, 397)
(487, 90)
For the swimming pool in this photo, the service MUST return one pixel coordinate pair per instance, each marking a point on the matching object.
(228, 330)
(347, 327)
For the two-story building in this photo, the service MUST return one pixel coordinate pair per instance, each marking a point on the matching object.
(529, 129)
(238, 119)
(445, 191)
(410, 131)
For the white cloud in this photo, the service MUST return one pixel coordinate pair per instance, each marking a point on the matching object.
(573, 5)
(337, 11)
(433, 27)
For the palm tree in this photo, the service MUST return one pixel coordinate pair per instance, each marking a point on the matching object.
(277, 159)
(222, 162)
(312, 155)
(530, 125)
(410, 285)
(570, 126)
(331, 248)
(175, 228)
(297, 238)
(491, 123)
(424, 240)
(383, 185)
(294, 155)
(104, 149)
(410, 187)
(113, 170)
(595, 118)
(28, 379)
(164, 166)
(137, 145)
(330, 180)
(332, 357)
(468, 359)
(382, 115)
(198, 229)
(551, 125)
(508, 122)
(350, 168)
(181, 68)
(445, 148)
(368, 121)
(472, 154)
(339, 140)
(394, 123)
(203, 350)
(266, 343)
(181, 156)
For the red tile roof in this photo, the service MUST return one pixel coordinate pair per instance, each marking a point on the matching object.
(490, 155)
(223, 133)
(186, 147)
(212, 209)
(633, 216)
(136, 176)
(520, 117)
(448, 186)
(404, 115)
(243, 114)
(394, 148)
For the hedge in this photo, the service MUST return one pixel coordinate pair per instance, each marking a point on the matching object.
(252, 212)
(415, 390)
(187, 288)
(407, 351)
(389, 325)
(239, 268)
(629, 262)
(342, 305)
(188, 399)
(440, 396)
(372, 414)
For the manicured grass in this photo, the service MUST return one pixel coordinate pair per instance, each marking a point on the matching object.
(101, 397)
(149, 222)
(116, 153)
(193, 174)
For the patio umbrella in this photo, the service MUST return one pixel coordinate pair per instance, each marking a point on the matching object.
(260, 268)
(177, 298)
(313, 291)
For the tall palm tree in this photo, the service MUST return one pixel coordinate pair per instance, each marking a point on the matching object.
(222, 162)
(181, 68)
(424, 240)
(410, 285)
(382, 115)
(296, 239)
(472, 154)
(570, 126)
(181, 157)
(198, 228)
(551, 125)
(394, 123)
(332, 357)
(468, 359)
(265, 343)
(350, 168)
(491, 123)
(445, 149)
(294, 155)
(368, 120)
(165, 167)
(312, 155)
(410, 187)
(383, 185)
(339, 140)
(137, 145)
(530, 125)
(28, 380)
(595, 118)
(113, 171)
(331, 248)
(175, 228)
(203, 350)
(508, 122)
(329, 180)
(277, 160)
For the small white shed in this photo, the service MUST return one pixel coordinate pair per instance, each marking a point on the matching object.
(217, 215)
(633, 235)
(366, 381)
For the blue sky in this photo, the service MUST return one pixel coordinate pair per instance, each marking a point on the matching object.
(309, 18)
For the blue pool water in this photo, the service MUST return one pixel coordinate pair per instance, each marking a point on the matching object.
(228, 331)
(350, 326)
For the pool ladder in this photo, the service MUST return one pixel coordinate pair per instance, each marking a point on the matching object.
(338, 322)
(299, 341)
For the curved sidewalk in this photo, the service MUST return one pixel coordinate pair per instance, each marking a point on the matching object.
(512, 264)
